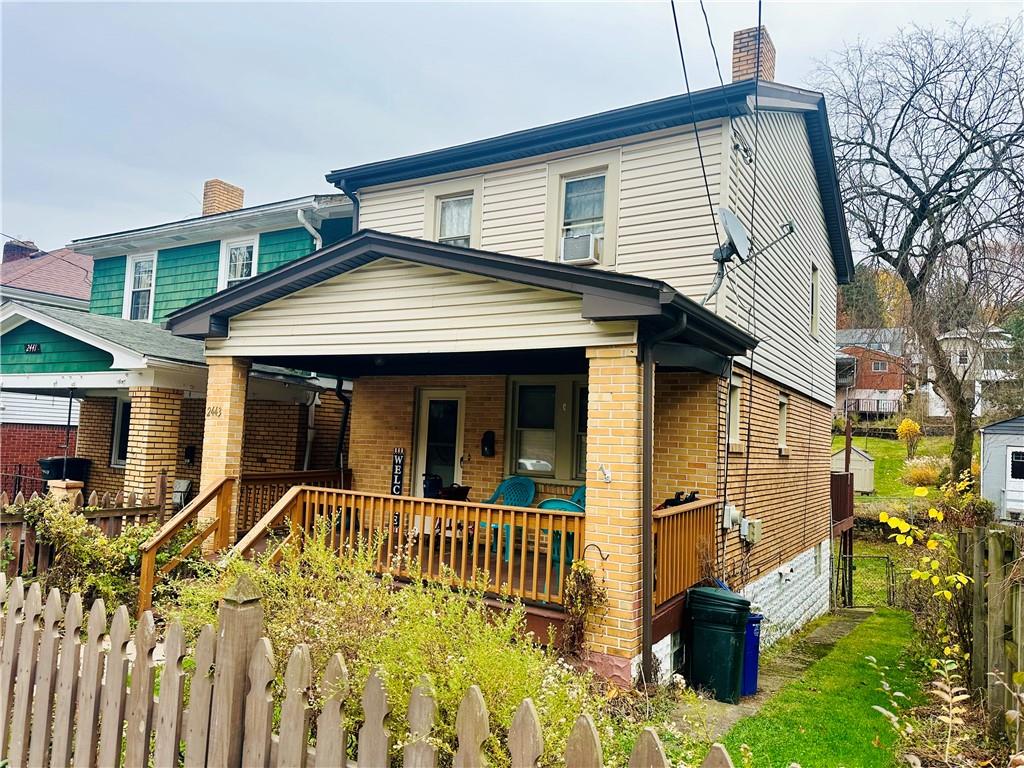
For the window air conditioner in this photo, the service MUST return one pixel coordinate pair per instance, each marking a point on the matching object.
(581, 249)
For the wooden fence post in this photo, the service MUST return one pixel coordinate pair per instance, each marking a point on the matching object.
(996, 629)
(979, 635)
(240, 625)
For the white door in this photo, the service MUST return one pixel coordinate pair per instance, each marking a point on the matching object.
(1013, 493)
(439, 426)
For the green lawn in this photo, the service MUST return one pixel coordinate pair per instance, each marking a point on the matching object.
(889, 456)
(825, 719)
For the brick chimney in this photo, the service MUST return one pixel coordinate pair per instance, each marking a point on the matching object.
(221, 197)
(14, 250)
(744, 55)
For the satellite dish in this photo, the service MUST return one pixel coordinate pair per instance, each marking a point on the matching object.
(736, 234)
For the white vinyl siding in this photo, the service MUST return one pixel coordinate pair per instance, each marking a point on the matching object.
(398, 211)
(21, 408)
(666, 229)
(390, 306)
(513, 211)
(787, 189)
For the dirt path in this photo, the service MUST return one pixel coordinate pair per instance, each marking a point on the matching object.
(779, 668)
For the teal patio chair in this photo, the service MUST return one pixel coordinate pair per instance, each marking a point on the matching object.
(514, 491)
(574, 504)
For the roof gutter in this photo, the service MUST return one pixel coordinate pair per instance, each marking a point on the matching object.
(351, 195)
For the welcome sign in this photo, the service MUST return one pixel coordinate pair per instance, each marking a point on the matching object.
(397, 471)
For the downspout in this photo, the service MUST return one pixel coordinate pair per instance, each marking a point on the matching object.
(647, 497)
(351, 195)
(318, 241)
(347, 400)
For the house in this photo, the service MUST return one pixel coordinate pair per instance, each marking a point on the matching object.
(33, 426)
(143, 390)
(537, 305)
(890, 340)
(877, 385)
(1002, 467)
(980, 358)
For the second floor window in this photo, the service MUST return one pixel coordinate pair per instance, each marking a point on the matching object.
(141, 278)
(455, 217)
(241, 261)
(582, 215)
(879, 366)
(962, 357)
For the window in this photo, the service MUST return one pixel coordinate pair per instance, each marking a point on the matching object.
(138, 295)
(119, 440)
(1017, 465)
(783, 416)
(455, 220)
(962, 357)
(238, 262)
(815, 300)
(735, 387)
(879, 366)
(583, 211)
(549, 427)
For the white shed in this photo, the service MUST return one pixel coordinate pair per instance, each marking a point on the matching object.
(861, 464)
(1002, 467)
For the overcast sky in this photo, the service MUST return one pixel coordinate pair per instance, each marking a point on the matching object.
(115, 114)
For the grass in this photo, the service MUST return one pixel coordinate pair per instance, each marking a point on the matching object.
(826, 717)
(889, 456)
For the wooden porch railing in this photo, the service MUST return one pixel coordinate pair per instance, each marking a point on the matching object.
(841, 493)
(219, 492)
(259, 491)
(524, 552)
(681, 536)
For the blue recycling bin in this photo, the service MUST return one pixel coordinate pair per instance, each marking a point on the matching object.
(751, 654)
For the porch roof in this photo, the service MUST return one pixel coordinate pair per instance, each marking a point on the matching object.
(605, 295)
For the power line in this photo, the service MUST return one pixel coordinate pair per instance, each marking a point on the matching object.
(40, 252)
(693, 116)
(711, 39)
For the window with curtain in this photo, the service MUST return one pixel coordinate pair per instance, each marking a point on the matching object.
(455, 216)
(549, 424)
(140, 300)
(583, 213)
(241, 263)
(535, 429)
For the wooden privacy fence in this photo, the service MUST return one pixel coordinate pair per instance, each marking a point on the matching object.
(681, 535)
(110, 513)
(65, 702)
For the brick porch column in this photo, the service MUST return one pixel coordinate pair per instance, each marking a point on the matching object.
(226, 384)
(613, 517)
(152, 440)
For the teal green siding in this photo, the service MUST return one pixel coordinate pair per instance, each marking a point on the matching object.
(108, 286)
(185, 275)
(277, 248)
(59, 353)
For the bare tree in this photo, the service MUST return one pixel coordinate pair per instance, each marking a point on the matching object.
(929, 142)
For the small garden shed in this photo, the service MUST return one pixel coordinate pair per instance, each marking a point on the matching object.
(1002, 466)
(862, 464)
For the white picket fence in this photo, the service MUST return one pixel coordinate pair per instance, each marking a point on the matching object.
(92, 704)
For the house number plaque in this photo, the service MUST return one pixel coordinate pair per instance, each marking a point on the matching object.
(397, 471)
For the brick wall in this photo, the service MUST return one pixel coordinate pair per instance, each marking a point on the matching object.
(328, 420)
(789, 493)
(25, 443)
(95, 425)
(152, 439)
(383, 410)
(894, 377)
(685, 434)
(275, 436)
(744, 55)
(190, 434)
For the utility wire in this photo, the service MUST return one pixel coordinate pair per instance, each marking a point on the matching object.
(711, 39)
(41, 252)
(693, 116)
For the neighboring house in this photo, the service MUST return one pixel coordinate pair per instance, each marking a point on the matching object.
(531, 305)
(890, 340)
(33, 426)
(980, 358)
(1002, 467)
(142, 389)
(877, 386)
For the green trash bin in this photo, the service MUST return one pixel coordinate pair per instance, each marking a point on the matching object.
(718, 621)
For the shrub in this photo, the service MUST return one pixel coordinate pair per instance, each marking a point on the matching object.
(909, 431)
(453, 639)
(924, 471)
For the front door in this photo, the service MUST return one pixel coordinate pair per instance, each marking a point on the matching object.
(439, 436)
(1014, 493)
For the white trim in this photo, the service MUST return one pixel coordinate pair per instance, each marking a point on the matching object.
(222, 267)
(876, 363)
(604, 163)
(464, 187)
(13, 314)
(129, 274)
(419, 452)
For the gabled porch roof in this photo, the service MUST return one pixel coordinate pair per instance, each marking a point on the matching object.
(606, 296)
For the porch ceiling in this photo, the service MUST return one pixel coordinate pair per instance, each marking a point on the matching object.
(604, 297)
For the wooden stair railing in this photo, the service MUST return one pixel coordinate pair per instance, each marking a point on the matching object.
(285, 507)
(219, 492)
